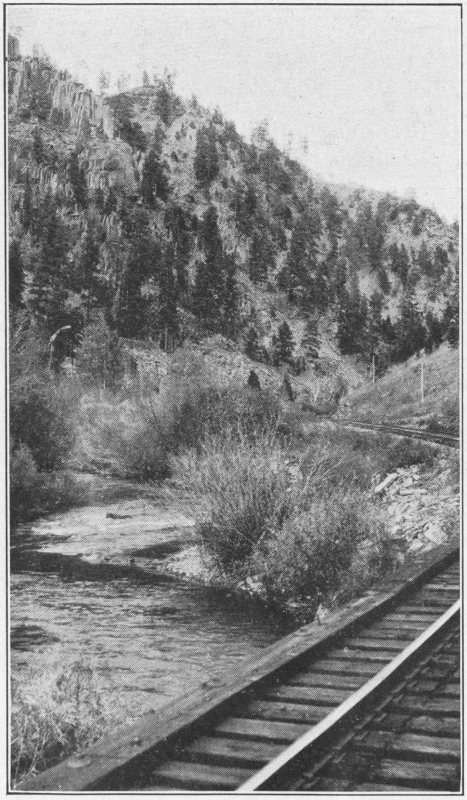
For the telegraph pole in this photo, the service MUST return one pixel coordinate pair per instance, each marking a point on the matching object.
(373, 371)
(422, 380)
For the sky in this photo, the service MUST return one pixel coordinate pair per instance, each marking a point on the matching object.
(375, 91)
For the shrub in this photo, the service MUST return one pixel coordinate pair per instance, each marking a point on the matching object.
(332, 551)
(54, 713)
(406, 452)
(303, 528)
(40, 420)
(33, 492)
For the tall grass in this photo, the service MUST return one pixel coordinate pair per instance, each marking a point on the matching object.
(55, 712)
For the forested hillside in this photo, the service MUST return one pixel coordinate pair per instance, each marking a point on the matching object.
(151, 214)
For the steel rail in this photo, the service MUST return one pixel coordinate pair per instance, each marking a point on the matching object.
(315, 734)
(399, 430)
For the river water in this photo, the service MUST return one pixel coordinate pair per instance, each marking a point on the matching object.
(86, 587)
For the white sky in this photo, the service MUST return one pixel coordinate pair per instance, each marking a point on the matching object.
(375, 90)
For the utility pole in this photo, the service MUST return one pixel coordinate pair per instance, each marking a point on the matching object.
(373, 372)
(422, 380)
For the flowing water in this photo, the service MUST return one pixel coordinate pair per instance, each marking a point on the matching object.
(86, 586)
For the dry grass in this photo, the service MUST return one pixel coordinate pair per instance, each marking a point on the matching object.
(55, 712)
(396, 396)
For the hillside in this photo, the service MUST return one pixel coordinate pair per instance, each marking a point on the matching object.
(396, 397)
(151, 211)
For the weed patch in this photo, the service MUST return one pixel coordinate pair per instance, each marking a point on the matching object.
(53, 714)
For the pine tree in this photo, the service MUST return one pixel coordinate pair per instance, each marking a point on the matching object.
(261, 257)
(451, 320)
(400, 262)
(283, 344)
(252, 346)
(130, 306)
(47, 292)
(253, 380)
(77, 178)
(311, 340)
(245, 205)
(435, 331)
(440, 262)
(209, 289)
(298, 274)
(409, 328)
(154, 182)
(168, 315)
(424, 260)
(230, 320)
(333, 216)
(206, 163)
(351, 322)
(15, 275)
(86, 277)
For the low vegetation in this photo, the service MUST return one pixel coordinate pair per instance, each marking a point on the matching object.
(55, 712)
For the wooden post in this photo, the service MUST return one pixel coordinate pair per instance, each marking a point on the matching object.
(422, 381)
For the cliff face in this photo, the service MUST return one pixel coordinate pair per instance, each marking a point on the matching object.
(271, 215)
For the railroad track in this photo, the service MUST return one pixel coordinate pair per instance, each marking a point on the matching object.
(379, 680)
(399, 430)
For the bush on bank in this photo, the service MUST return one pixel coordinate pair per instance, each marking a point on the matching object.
(301, 526)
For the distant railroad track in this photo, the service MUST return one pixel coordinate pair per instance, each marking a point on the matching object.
(399, 430)
(378, 680)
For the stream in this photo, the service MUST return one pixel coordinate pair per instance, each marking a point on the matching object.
(87, 586)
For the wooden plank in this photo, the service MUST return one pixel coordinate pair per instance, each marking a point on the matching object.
(185, 775)
(348, 653)
(286, 712)
(426, 605)
(412, 745)
(411, 617)
(424, 704)
(424, 686)
(231, 752)
(325, 679)
(103, 762)
(403, 634)
(315, 695)
(437, 726)
(416, 775)
(347, 667)
(367, 642)
(280, 732)
(397, 627)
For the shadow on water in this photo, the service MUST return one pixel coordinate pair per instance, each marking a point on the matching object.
(74, 568)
